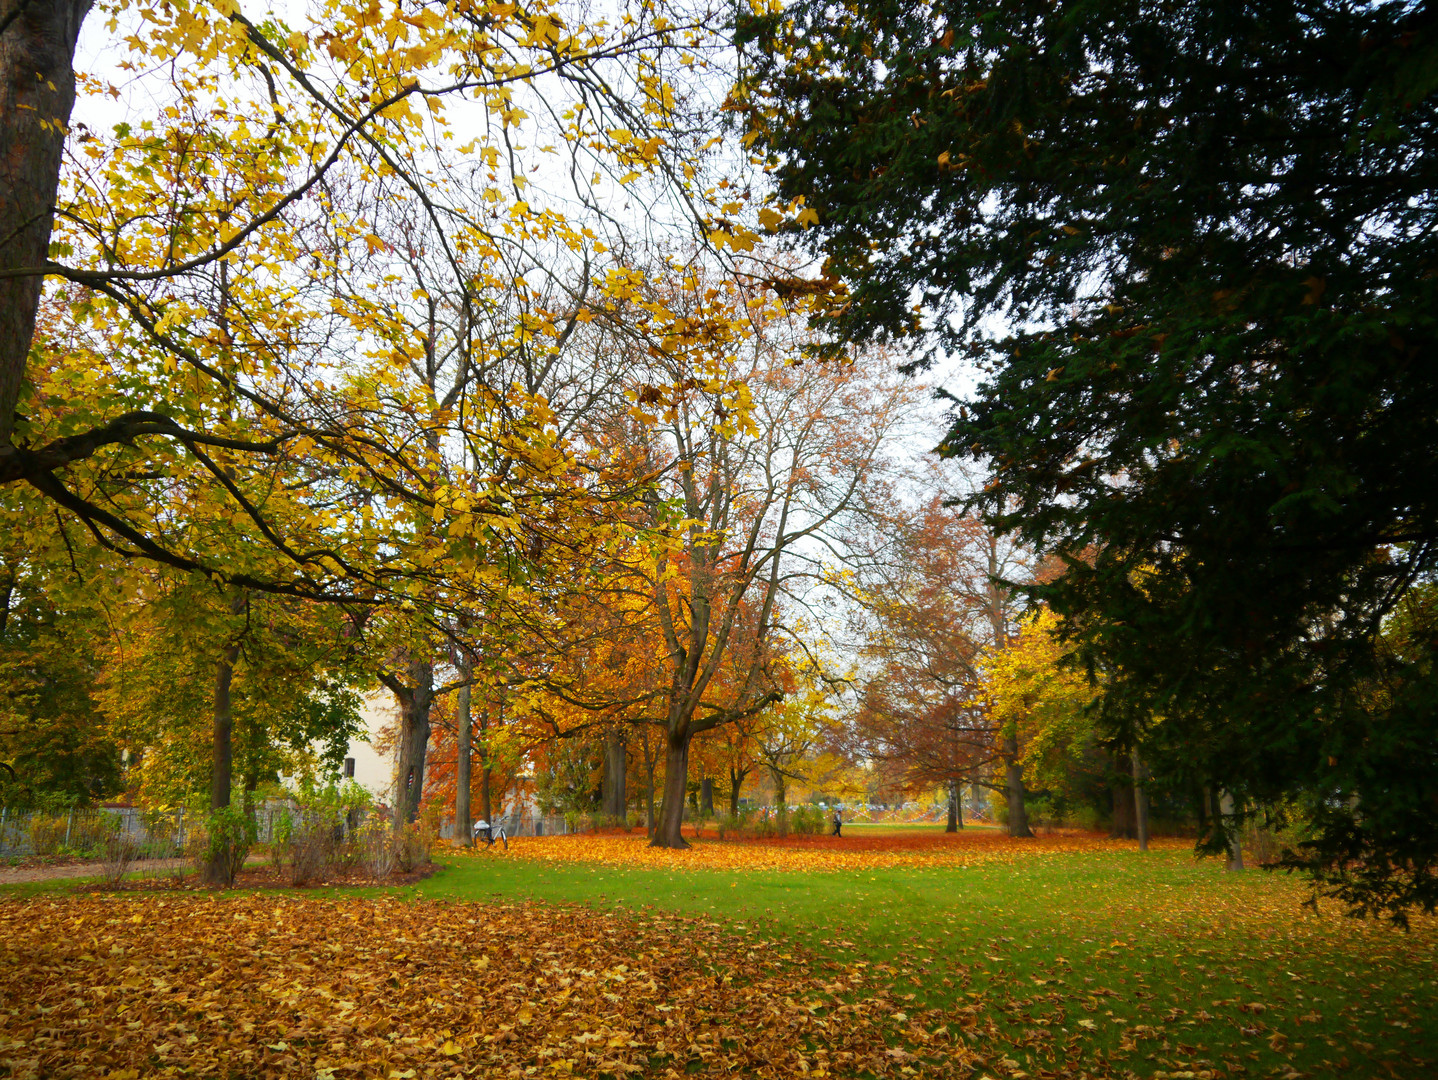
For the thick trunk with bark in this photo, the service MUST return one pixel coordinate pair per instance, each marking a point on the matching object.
(616, 766)
(1140, 800)
(1014, 789)
(1229, 822)
(736, 783)
(1125, 819)
(414, 710)
(956, 816)
(706, 797)
(222, 745)
(222, 754)
(463, 820)
(37, 92)
(781, 800)
(670, 833)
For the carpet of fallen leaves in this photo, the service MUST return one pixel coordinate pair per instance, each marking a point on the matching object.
(272, 986)
(821, 853)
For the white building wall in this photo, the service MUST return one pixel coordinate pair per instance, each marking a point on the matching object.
(375, 771)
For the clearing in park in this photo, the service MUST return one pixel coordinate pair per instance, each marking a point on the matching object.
(882, 953)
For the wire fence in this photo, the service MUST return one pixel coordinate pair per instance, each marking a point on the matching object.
(161, 834)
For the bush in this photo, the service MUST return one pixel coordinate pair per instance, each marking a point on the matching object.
(807, 821)
(282, 828)
(160, 829)
(88, 830)
(413, 847)
(375, 845)
(766, 827)
(228, 835)
(117, 851)
(47, 834)
(634, 820)
(311, 849)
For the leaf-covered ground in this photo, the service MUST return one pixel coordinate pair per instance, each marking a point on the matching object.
(1032, 962)
(283, 987)
(860, 850)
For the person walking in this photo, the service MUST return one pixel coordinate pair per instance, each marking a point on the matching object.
(838, 820)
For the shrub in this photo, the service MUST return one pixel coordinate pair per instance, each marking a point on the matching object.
(807, 821)
(282, 828)
(228, 835)
(117, 851)
(633, 820)
(413, 846)
(47, 833)
(375, 844)
(311, 847)
(88, 831)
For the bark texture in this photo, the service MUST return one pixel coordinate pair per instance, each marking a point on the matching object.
(415, 699)
(222, 742)
(1014, 788)
(1140, 800)
(1228, 820)
(462, 816)
(1125, 817)
(616, 766)
(676, 777)
(37, 92)
(736, 783)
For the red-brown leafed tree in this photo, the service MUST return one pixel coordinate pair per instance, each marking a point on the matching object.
(931, 588)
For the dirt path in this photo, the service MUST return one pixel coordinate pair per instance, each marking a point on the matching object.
(15, 875)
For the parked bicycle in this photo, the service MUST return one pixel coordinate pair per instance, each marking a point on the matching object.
(491, 834)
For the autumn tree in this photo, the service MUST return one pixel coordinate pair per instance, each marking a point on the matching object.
(754, 464)
(931, 593)
(1209, 226)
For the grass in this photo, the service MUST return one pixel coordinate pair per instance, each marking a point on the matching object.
(1155, 962)
(1173, 963)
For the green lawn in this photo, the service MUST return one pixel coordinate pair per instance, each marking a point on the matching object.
(1158, 963)
(1172, 964)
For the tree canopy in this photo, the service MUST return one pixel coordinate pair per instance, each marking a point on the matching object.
(1208, 228)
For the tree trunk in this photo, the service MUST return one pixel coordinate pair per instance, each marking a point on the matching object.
(670, 833)
(1014, 788)
(37, 92)
(954, 819)
(781, 801)
(1125, 825)
(651, 762)
(1140, 800)
(413, 741)
(486, 809)
(736, 781)
(616, 765)
(217, 870)
(222, 749)
(706, 797)
(463, 821)
(1229, 823)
